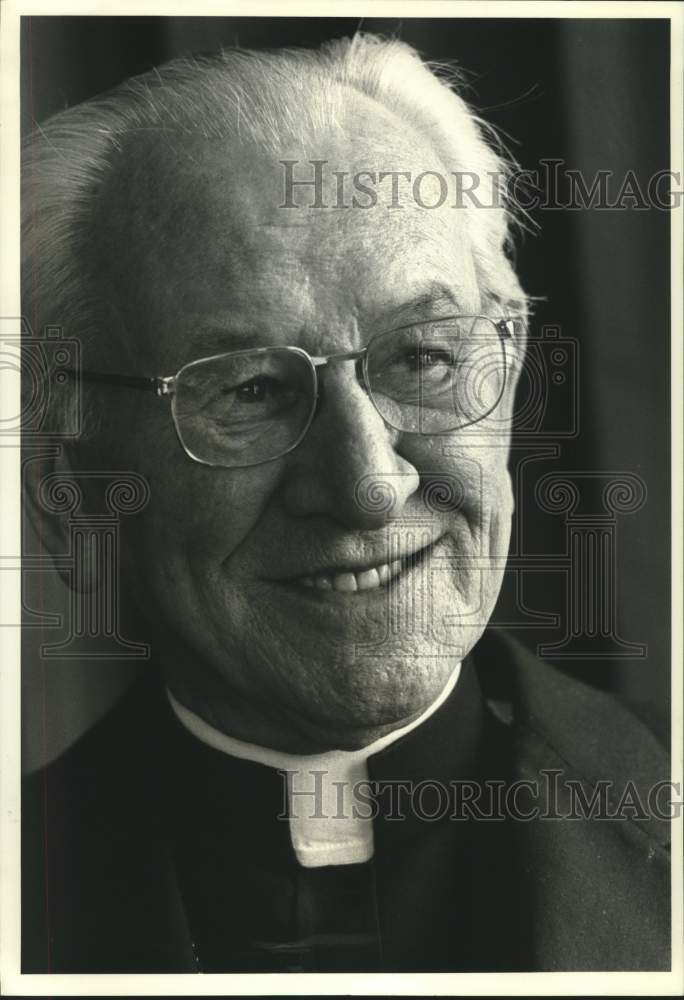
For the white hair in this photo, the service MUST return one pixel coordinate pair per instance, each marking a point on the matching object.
(264, 97)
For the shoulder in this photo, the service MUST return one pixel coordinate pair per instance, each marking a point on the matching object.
(587, 729)
(96, 887)
(591, 833)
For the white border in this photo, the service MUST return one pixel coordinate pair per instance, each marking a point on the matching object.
(12, 982)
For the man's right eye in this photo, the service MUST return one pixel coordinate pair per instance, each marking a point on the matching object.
(262, 395)
(260, 389)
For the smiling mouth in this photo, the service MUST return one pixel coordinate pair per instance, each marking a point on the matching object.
(373, 578)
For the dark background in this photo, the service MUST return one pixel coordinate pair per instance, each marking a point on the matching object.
(593, 93)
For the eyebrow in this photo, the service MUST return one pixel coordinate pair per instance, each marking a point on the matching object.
(431, 300)
(435, 298)
(222, 339)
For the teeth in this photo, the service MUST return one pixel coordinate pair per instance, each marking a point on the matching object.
(348, 583)
(368, 580)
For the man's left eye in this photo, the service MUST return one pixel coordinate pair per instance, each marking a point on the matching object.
(257, 390)
(428, 357)
(431, 357)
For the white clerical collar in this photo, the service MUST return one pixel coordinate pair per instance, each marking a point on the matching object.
(328, 826)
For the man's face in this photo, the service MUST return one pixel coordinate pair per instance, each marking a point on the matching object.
(199, 258)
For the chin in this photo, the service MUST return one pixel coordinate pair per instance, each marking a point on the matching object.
(379, 692)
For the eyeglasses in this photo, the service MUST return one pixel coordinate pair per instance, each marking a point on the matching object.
(252, 406)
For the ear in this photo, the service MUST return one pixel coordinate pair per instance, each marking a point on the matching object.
(516, 348)
(49, 499)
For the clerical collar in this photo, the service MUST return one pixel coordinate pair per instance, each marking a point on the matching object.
(327, 825)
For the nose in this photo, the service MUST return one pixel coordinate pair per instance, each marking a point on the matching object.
(348, 467)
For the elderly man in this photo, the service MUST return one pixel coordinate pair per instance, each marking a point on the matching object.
(309, 352)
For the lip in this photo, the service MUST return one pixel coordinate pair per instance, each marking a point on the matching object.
(409, 560)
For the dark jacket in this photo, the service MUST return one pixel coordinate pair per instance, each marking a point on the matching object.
(138, 842)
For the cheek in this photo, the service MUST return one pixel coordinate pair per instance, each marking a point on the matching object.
(198, 517)
(469, 481)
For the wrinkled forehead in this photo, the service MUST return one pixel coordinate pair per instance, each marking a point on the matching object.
(230, 218)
